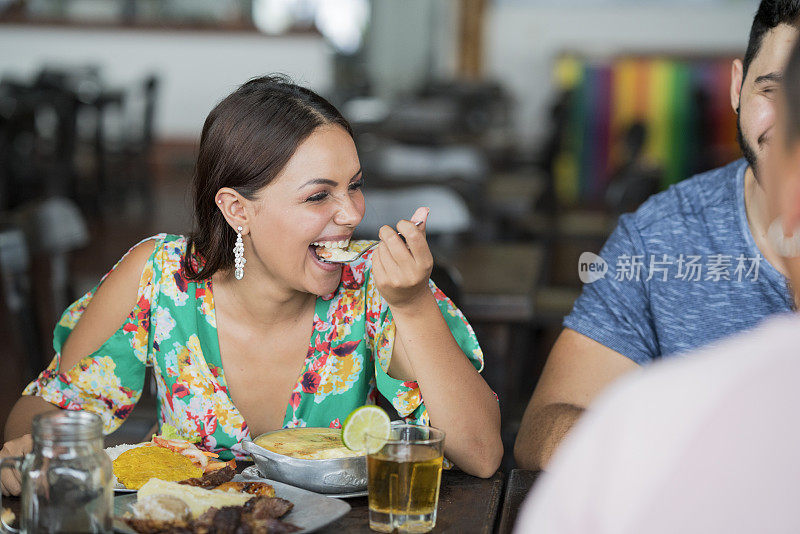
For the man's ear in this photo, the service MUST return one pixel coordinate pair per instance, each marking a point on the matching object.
(737, 73)
(232, 205)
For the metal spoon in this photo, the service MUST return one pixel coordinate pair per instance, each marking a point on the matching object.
(358, 255)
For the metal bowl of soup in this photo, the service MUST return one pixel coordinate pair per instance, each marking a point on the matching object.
(310, 458)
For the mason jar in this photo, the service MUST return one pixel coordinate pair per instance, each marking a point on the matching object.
(66, 478)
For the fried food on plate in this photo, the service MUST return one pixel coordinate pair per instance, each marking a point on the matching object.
(198, 499)
(135, 467)
(161, 508)
(178, 508)
(258, 515)
(260, 489)
(205, 460)
(211, 479)
(268, 507)
(170, 459)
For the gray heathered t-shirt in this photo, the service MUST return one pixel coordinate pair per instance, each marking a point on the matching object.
(707, 278)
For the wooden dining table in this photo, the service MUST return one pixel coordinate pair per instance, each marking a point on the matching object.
(518, 485)
(466, 504)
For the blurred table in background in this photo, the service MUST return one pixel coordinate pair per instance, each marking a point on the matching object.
(499, 280)
(498, 295)
(512, 197)
(64, 131)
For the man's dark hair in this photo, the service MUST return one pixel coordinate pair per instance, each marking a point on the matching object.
(791, 91)
(770, 14)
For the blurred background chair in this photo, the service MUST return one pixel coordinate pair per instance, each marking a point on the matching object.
(54, 228)
(18, 298)
(127, 149)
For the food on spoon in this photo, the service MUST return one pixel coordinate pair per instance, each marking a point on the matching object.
(307, 443)
(340, 251)
(7, 516)
(339, 255)
(135, 467)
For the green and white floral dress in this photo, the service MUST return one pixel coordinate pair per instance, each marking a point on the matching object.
(173, 329)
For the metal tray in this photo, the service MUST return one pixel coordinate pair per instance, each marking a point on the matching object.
(334, 476)
(311, 511)
(252, 474)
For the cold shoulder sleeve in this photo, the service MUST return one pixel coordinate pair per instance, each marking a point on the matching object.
(109, 381)
(405, 396)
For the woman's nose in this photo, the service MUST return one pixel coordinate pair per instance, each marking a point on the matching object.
(350, 212)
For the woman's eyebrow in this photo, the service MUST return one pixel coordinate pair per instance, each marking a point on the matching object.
(326, 181)
(318, 181)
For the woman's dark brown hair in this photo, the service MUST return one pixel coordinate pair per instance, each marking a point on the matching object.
(247, 140)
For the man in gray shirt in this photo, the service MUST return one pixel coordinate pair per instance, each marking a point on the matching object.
(691, 266)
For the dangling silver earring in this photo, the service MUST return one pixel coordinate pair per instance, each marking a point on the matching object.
(788, 247)
(238, 255)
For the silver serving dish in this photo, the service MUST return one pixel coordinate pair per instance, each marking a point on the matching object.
(332, 476)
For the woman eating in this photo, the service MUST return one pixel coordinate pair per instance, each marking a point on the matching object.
(246, 328)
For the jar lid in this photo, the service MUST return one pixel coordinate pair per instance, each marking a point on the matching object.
(64, 425)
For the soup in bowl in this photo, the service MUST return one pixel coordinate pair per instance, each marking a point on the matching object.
(306, 443)
(310, 458)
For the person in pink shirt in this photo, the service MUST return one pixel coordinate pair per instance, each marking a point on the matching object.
(704, 443)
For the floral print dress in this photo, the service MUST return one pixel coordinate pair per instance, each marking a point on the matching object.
(172, 328)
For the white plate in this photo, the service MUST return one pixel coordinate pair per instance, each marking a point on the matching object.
(252, 474)
(311, 511)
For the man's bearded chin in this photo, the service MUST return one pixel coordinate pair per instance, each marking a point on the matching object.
(747, 151)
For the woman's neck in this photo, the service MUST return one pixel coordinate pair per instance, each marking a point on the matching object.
(260, 302)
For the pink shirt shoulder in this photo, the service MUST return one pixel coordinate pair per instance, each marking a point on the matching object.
(705, 442)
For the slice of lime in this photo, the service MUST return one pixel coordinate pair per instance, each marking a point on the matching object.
(366, 429)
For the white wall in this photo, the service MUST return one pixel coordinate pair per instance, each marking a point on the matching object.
(399, 45)
(196, 69)
(522, 41)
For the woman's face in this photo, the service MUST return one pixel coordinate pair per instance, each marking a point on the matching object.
(316, 197)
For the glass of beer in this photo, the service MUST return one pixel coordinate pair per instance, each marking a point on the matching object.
(403, 479)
